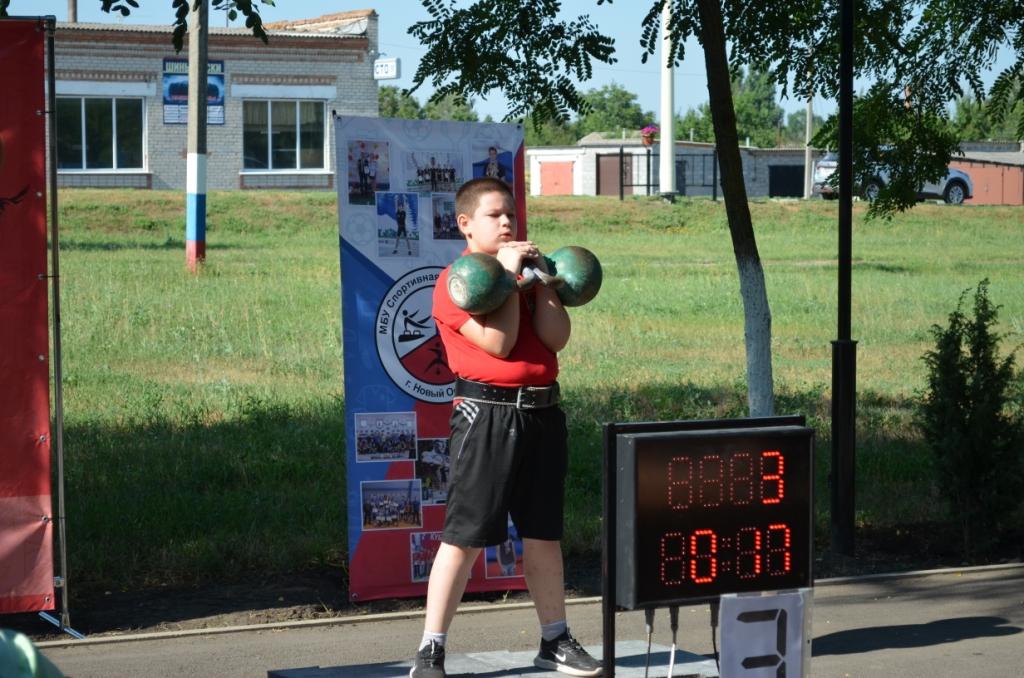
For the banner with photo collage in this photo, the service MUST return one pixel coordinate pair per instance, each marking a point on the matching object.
(396, 218)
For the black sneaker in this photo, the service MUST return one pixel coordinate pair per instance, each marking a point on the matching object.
(565, 654)
(429, 662)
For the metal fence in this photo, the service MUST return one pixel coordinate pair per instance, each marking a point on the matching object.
(695, 173)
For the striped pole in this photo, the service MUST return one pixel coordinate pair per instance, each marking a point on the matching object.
(195, 182)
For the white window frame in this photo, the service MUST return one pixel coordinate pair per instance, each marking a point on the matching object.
(323, 169)
(113, 105)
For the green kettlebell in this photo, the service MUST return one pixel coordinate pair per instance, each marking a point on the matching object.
(479, 284)
(579, 272)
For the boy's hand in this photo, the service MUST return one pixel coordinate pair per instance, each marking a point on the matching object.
(512, 253)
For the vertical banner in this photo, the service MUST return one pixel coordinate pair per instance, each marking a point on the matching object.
(26, 535)
(396, 184)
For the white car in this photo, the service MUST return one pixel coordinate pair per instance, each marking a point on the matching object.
(953, 188)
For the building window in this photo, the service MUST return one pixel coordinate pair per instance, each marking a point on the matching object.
(99, 133)
(283, 135)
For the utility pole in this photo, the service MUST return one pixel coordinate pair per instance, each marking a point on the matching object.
(808, 133)
(667, 166)
(195, 180)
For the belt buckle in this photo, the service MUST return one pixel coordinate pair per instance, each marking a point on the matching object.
(519, 397)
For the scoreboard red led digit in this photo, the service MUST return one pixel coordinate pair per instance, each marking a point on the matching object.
(708, 512)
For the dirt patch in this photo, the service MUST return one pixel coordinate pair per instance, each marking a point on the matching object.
(319, 594)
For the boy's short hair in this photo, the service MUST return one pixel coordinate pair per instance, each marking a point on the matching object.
(467, 198)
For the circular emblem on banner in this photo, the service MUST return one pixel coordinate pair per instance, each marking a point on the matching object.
(409, 347)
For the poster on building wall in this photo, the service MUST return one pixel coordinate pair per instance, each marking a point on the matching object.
(396, 182)
(175, 88)
(26, 519)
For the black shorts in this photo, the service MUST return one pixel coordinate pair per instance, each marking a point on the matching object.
(505, 461)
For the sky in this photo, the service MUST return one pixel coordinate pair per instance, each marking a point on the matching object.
(619, 20)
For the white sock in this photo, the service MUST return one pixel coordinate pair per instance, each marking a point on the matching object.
(553, 630)
(428, 636)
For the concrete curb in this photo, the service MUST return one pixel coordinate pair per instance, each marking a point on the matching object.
(475, 608)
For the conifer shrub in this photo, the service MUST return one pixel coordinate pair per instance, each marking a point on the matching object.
(971, 419)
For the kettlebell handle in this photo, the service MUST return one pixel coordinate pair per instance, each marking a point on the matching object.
(532, 275)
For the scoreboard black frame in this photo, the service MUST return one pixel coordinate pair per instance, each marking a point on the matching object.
(695, 509)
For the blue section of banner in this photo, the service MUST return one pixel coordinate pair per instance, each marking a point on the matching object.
(367, 386)
(195, 216)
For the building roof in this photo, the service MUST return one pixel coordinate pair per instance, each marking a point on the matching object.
(1015, 158)
(340, 25)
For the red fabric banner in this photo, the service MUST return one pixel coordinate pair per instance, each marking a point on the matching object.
(26, 535)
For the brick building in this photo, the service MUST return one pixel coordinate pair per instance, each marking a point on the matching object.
(122, 89)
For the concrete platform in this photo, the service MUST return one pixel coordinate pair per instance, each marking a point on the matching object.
(630, 660)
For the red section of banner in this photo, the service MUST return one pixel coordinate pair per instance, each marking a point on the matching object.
(26, 549)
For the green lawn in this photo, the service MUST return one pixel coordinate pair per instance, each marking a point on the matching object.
(204, 413)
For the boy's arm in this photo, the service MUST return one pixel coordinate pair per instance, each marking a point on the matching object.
(550, 319)
(498, 331)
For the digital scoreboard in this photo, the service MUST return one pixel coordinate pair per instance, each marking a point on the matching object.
(701, 513)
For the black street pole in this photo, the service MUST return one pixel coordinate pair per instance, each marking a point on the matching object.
(844, 350)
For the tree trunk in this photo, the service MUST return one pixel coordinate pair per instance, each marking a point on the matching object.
(757, 317)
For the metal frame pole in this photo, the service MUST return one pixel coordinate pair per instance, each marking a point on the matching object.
(61, 581)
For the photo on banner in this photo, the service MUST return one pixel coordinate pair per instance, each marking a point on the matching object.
(385, 436)
(391, 504)
(369, 170)
(433, 463)
(398, 231)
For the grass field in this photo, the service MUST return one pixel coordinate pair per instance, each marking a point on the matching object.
(204, 413)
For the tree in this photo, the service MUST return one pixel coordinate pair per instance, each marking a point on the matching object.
(450, 107)
(927, 46)
(394, 102)
(549, 133)
(611, 109)
(795, 131)
(973, 121)
(182, 9)
(698, 122)
(758, 114)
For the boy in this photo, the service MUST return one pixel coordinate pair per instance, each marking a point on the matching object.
(508, 444)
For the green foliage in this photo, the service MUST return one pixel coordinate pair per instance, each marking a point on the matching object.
(975, 120)
(698, 121)
(966, 420)
(794, 133)
(394, 102)
(549, 133)
(612, 108)
(450, 107)
(893, 135)
(522, 48)
(758, 114)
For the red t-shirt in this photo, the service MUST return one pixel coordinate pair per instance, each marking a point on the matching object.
(530, 363)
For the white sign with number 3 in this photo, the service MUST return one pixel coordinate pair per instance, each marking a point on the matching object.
(766, 636)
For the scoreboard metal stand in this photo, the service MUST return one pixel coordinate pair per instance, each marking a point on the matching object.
(695, 509)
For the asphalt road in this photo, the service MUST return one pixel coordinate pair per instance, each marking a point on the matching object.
(956, 623)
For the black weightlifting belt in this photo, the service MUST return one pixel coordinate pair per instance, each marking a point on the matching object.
(522, 397)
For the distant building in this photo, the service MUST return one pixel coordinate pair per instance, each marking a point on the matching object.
(121, 95)
(996, 169)
(602, 166)
(593, 167)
